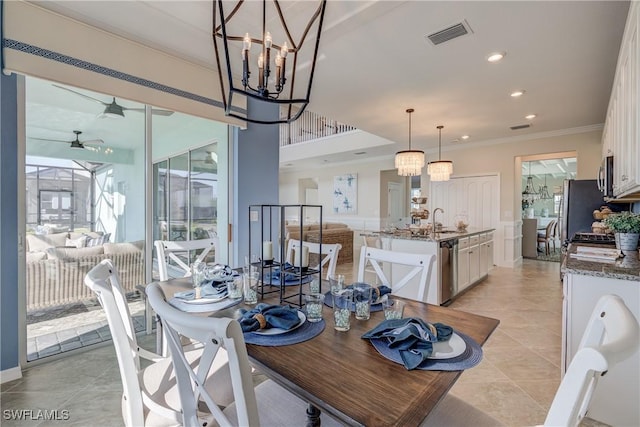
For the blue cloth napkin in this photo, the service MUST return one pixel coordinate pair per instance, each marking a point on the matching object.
(207, 290)
(413, 337)
(376, 295)
(288, 277)
(275, 316)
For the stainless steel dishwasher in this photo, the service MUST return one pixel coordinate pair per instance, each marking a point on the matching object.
(448, 270)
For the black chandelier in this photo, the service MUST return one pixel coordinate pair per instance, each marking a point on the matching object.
(282, 46)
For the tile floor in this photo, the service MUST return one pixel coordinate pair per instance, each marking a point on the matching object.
(515, 382)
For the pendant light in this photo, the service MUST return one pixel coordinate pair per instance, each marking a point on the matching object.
(529, 194)
(410, 162)
(543, 191)
(440, 170)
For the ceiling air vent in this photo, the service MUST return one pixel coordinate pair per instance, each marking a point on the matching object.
(518, 127)
(449, 33)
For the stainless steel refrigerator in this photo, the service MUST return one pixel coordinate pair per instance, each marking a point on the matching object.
(579, 199)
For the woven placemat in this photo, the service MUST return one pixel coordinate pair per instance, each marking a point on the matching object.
(304, 333)
(471, 356)
(328, 301)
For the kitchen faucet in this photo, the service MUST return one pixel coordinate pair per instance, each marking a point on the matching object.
(433, 220)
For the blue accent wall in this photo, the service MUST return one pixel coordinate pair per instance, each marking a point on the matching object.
(256, 163)
(9, 356)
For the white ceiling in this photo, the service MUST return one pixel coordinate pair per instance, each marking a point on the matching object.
(376, 63)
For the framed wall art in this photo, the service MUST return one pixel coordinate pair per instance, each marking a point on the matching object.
(345, 193)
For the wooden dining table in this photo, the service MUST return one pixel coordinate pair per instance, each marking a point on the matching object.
(344, 376)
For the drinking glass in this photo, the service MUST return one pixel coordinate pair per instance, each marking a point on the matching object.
(342, 301)
(198, 272)
(314, 286)
(250, 281)
(393, 308)
(362, 299)
(235, 286)
(336, 282)
(313, 305)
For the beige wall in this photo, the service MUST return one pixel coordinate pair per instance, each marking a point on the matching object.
(467, 161)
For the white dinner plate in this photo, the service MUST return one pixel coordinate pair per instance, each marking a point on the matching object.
(206, 300)
(278, 331)
(455, 346)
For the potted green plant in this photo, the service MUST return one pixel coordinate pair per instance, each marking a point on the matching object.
(626, 226)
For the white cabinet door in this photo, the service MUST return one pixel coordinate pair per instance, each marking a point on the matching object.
(463, 269)
(474, 263)
(477, 197)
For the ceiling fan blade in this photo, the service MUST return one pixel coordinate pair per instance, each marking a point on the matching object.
(82, 94)
(49, 139)
(92, 141)
(153, 111)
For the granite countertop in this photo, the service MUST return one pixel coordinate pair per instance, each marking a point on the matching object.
(625, 268)
(439, 237)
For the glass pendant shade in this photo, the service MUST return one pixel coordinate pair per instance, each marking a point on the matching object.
(440, 170)
(410, 162)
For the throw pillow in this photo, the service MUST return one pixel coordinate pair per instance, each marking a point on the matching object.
(73, 253)
(98, 241)
(80, 242)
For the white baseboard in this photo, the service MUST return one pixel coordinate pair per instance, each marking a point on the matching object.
(10, 374)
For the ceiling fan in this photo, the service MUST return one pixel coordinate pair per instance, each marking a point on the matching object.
(113, 109)
(210, 159)
(76, 142)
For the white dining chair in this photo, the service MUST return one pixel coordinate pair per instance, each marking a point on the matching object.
(172, 255)
(329, 250)
(422, 266)
(612, 335)
(374, 242)
(150, 395)
(267, 404)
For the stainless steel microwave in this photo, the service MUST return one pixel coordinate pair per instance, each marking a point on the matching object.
(605, 177)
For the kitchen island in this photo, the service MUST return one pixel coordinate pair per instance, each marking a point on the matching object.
(615, 400)
(462, 260)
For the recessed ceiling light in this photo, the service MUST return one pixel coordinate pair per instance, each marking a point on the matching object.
(496, 56)
(453, 141)
(517, 93)
(530, 116)
(465, 137)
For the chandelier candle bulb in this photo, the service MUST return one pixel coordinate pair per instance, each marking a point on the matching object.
(260, 71)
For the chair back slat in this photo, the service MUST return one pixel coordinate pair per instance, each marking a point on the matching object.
(422, 264)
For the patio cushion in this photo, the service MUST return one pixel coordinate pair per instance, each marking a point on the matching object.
(36, 256)
(40, 243)
(98, 241)
(73, 253)
(123, 248)
(90, 234)
(80, 242)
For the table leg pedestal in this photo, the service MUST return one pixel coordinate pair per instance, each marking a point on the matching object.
(313, 416)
